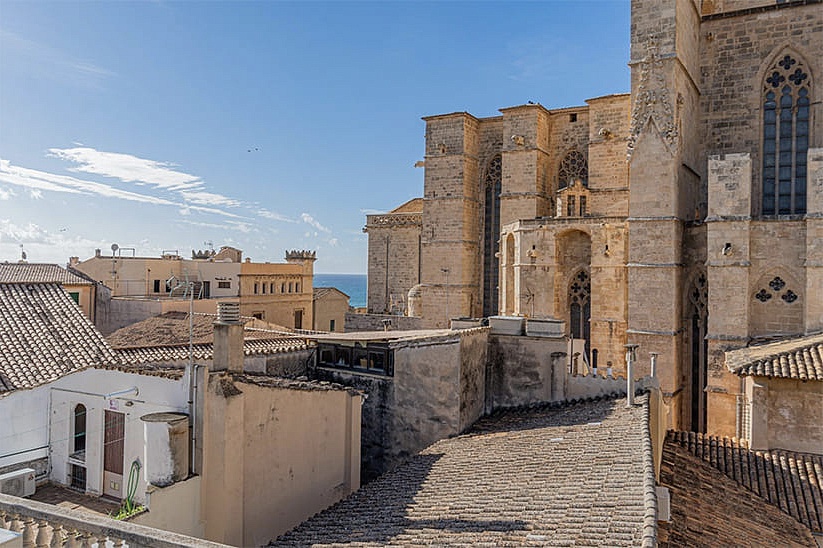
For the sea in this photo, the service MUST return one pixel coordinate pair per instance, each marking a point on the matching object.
(353, 285)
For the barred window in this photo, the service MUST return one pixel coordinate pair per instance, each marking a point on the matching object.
(786, 100)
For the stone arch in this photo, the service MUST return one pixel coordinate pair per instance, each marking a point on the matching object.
(776, 303)
(785, 98)
(491, 188)
(573, 258)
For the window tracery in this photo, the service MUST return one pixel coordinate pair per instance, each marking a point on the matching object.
(573, 166)
(786, 106)
(775, 286)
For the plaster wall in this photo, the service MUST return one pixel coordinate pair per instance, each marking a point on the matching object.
(174, 508)
(275, 456)
(330, 307)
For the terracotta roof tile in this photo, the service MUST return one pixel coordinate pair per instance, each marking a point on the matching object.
(39, 273)
(793, 482)
(44, 335)
(800, 358)
(709, 508)
(569, 476)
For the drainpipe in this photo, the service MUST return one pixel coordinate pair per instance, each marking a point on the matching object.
(654, 364)
(631, 356)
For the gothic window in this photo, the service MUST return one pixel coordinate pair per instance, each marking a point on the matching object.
(786, 99)
(492, 182)
(698, 299)
(579, 306)
(573, 166)
(570, 207)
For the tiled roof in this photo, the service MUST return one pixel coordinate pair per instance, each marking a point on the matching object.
(577, 475)
(800, 358)
(39, 273)
(172, 329)
(44, 335)
(710, 509)
(793, 482)
(180, 352)
(321, 292)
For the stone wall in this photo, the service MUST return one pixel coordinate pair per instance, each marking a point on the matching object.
(40, 467)
(528, 370)
(374, 322)
(786, 414)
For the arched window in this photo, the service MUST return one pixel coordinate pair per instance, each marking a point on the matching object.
(786, 99)
(580, 306)
(573, 167)
(492, 181)
(698, 318)
(79, 437)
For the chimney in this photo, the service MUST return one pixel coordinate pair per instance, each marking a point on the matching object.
(228, 338)
(96, 252)
(74, 261)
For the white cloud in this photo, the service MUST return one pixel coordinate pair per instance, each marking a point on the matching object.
(308, 219)
(209, 198)
(6, 193)
(266, 214)
(334, 242)
(369, 211)
(36, 194)
(52, 63)
(127, 168)
(29, 233)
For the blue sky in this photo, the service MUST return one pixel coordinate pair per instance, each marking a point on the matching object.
(262, 125)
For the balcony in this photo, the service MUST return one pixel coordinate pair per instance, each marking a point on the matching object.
(46, 525)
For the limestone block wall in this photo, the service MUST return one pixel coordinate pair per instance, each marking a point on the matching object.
(393, 260)
(735, 53)
(608, 170)
(814, 241)
(374, 322)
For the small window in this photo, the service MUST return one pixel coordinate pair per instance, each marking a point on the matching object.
(272, 288)
(75, 296)
(291, 287)
(570, 206)
(297, 287)
(283, 287)
(224, 285)
(264, 288)
(258, 315)
(331, 325)
(573, 117)
(256, 288)
(157, 286)
(582, 206)
(342, 356)
(78, 477)
(79, 438)
(327, 355)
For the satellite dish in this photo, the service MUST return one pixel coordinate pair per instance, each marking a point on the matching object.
(114, 248)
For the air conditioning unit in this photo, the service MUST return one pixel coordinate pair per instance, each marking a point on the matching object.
(19, 483)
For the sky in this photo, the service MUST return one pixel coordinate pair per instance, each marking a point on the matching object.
(266, 126)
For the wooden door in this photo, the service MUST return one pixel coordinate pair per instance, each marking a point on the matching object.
(113, 442)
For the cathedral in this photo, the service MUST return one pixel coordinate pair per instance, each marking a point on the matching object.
(685, 217)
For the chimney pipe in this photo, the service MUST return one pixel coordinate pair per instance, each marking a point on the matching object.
(228, 338)
(631, 356)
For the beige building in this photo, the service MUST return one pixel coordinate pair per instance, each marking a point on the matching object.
(329, 308)
(684, 217)
(141, 287)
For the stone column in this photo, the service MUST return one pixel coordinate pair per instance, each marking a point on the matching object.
(814, 241)
(727, 268)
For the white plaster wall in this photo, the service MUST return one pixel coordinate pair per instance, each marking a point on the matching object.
(24, 418)
(155, 394)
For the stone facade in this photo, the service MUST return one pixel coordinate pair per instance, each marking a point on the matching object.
(684, 217)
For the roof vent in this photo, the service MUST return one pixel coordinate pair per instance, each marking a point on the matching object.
(228, 312)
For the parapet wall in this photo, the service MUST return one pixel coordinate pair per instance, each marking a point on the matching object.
(374, 322)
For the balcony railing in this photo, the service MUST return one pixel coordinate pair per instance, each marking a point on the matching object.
(45, 525)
